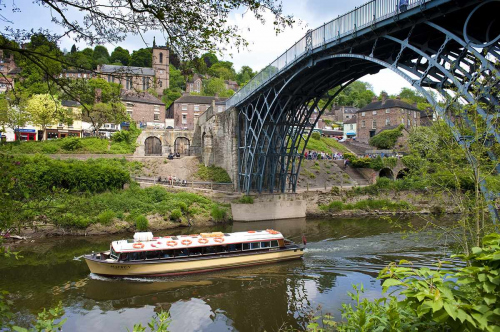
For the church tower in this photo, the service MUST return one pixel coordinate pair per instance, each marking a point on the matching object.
(161, 68)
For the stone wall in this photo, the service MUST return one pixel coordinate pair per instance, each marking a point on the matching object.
(218, 139)
(167, 138)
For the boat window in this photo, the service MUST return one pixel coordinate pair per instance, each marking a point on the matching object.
(113, 253)
(274, 243)
(255, 245)
(265, 244)
(152, 254)
(195, 251)
(136, 256)
(124, 257)
(166, 254)
(209, 250)
(246, 246)
(222, 248)
(180, 252)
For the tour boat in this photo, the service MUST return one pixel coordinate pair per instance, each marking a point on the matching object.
(147, 255)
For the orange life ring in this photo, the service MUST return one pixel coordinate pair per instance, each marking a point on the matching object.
(272, 231)
(138, 245)
(153, 245)
(159, 242)
(203, 241)
(171, 243)
(166, 237)
(218, 239)
(186, 242)
(251, 231)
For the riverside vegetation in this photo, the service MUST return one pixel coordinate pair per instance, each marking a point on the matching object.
(74, 194)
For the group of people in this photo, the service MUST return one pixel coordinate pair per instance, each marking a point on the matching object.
(313, 155)
(173, 181)
(171, 156)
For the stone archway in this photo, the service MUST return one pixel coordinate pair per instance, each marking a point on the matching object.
(181, 145)
(152, 146)
(386, 173)
(402, 173)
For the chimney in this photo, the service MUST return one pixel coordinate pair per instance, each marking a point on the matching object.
(374, 99)
(398, 97)
(414, 104)
(384, 96)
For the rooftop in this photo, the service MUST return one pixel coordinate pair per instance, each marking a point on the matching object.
(387, 103)
(198, 99)
(140, 97)
(351, 120)
(113, 69)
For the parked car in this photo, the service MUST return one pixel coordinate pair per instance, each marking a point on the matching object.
(342, 140)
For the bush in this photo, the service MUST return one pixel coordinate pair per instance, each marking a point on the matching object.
(315, 135)
(176, 214)
(218, 213)
(141, 223)
(213, 173)
(71, 143)
(387, 138)
(246, 200)
(105, 217)
(335, 206)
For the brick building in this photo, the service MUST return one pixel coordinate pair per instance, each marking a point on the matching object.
(141, 78)
(344, 113)
(8, 70)
(77, 74)
(195, 84)
(350, 128)
(144, 109)
(187, 109)
(385, 114)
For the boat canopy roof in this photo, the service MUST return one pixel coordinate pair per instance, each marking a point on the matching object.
(147, 242)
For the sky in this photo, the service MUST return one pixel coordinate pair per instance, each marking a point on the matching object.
(264, 44)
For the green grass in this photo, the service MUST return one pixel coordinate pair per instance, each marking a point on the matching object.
(245, 200)
(368, 205)
(325, 144)
(213, 174)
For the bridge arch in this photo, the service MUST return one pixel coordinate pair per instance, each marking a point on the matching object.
(402, 174)
(182, 145)
(152, 146)
(386, 173)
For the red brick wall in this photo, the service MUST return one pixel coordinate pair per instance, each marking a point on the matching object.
(142, 112)
(190, 114)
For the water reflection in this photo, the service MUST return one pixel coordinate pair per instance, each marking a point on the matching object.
(340, 253)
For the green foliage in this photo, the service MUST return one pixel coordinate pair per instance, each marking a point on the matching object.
(218, 213)
(387, 138)
(216, 86)
(368, 205)
(325, 144)
(71, 143)
(213, 174)
(358, 94)
(315, 135)
(141, 223)
(159, 323)
(141, 58)
(105, 217)
(223, 70)
(176, 214)
(244, 75)
(121, 55)
(247, 199)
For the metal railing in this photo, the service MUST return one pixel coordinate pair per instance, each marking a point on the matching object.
(219, 186)
(357, 19)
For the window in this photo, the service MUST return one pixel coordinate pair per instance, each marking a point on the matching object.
(266, 244)
(195, 251)
(184, 119)
(351, 127)
(152, 254)
(196, 108)
(246, 246)
(363, 124)
(387, 122)
(374, 124)
(84, 75)
(409, 122)
(144, 83)
(414, 114)
(402, 121)
(387, 111)
(362, 113)
(197, 84)
(161, 57)
(130, 112)
(274, 243)
(156, 117)
(255, 245)
(219, 109)
(112, 126)
(347, 116)
(161, 83)
(184, 107)
(79, 75)
(374, 112)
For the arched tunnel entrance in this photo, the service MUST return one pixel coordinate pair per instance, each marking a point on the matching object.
(402, 174)
(386, 173)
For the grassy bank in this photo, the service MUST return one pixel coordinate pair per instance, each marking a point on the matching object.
(213, 174)
(324, 144)
(367, 205)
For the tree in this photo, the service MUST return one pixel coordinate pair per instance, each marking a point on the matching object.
(358, 94)
(223, 69)
(44, 110)
(120, 54)
(244, 75)
(216, 86)
(176, 78)
(141, 58)
(210, 59)
(73, 49)
(13, 112)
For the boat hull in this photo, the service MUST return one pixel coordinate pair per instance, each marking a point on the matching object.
(187, 266)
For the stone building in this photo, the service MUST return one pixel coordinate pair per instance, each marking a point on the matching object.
(141, 78)
(187, 109)
(8, 70)
(385, 114)
(344, 113)
(144, 109)
(350, 128)
(74, 74)
(195, 84)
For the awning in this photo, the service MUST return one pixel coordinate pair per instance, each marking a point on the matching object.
(22, 130)
(350, 133)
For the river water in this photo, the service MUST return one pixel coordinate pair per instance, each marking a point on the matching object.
(340, 252)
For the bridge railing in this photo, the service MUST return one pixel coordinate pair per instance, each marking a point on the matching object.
(357, 19)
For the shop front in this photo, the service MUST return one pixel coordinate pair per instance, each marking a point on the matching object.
(24, 134)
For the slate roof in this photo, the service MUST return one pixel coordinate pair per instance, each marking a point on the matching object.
(351, 120)
(15, 71)
(70, 103)
(388, 103)
(199, 99)
(113, 69)
(140, 97)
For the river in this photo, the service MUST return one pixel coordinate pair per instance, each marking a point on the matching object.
(340, 252)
